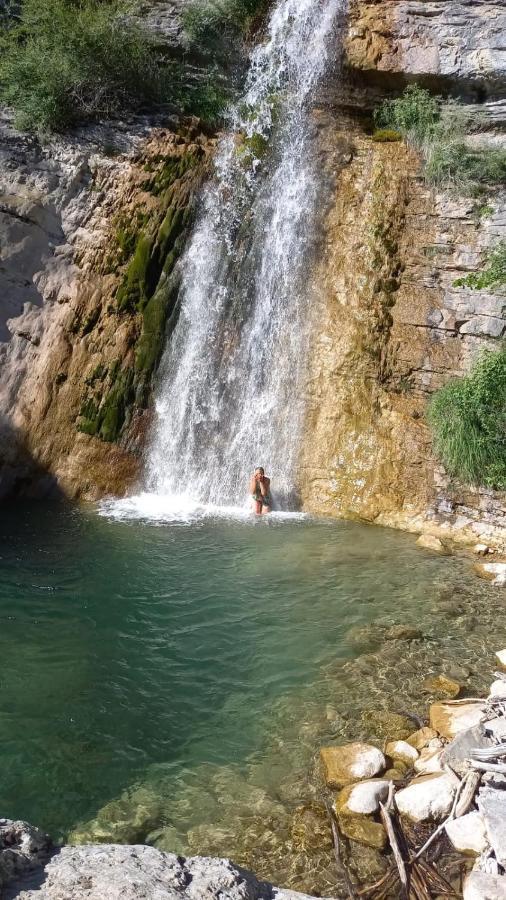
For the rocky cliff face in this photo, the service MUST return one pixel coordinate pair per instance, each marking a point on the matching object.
(92, 229)
(392, 326)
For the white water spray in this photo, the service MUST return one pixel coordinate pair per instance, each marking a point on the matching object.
(231, 382)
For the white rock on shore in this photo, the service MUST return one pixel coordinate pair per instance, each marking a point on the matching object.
(428, 798)
(467, 833)
(120, 872)
(482, 886)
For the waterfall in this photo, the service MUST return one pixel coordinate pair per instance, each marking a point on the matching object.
(231, 383)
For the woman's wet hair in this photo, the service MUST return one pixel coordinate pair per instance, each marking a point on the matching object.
(260, 469)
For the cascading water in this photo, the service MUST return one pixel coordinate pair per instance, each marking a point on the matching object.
(230, 395)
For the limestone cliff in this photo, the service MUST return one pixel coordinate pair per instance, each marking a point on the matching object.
(392, 327)
(92, 228)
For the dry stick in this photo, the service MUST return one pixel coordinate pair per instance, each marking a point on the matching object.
(337, 854)
(472, 781)
(419, 888)
(489, 767)
(435, 878)
(399, 861)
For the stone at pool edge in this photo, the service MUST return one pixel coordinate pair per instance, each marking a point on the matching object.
(442, 684)
(494, 572)
(22, 848)
(401, 750)
(450, 718)
(431, 542)
(107, 871)
(346, 763)
(419, 739)
(482, 886)
(354, 806)
(467, 833)
(501, 657)
(385, 725)
(427, 798)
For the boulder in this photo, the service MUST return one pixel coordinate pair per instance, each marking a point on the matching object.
(450, 718)
(419, 739)
(492, 806)
(501, 657)
(494, 572)
(498, 689)
(386, 725)
(351, 762)
(363, 798)
(429, 762)
(401, 750)
(481, 549)
(427, 798)
(430, 542)
(122, 872)
(22, 848)
(441, 684)
(364, 831)
(394, 775)
(467, 833)
(457, 753)
(482, 886)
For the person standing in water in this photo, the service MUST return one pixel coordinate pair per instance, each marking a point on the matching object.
(260, 490)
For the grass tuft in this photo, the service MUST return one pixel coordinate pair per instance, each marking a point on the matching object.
(468, 421)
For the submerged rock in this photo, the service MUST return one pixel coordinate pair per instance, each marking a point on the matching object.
(310, 829)
(364, 831)
(431, 542)
(385, 725)
(351, 762)
(442, 684)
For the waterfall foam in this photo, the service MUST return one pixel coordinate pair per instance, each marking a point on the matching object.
(231, 382)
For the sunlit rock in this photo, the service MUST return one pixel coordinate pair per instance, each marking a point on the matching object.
(351, 762)
(419, 739)
(493, 572)
(401, 750)
(467, 833)
(448, 719)
(363, 798)
(482, 886)
(427, 798)
(431, 542)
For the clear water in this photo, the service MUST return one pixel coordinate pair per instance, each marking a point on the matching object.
(231, 386)
(172, 682)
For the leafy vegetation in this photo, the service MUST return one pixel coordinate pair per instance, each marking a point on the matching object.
(62, 62)
(440, 131)
(207, 22)
(492, 276)
(468, 421)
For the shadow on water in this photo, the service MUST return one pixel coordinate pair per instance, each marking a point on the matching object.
(21, 475)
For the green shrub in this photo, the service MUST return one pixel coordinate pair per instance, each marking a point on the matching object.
(64, 62)
(468, 421)
(492, 276)
(207, 22)
(413, 114)
(439, 130)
